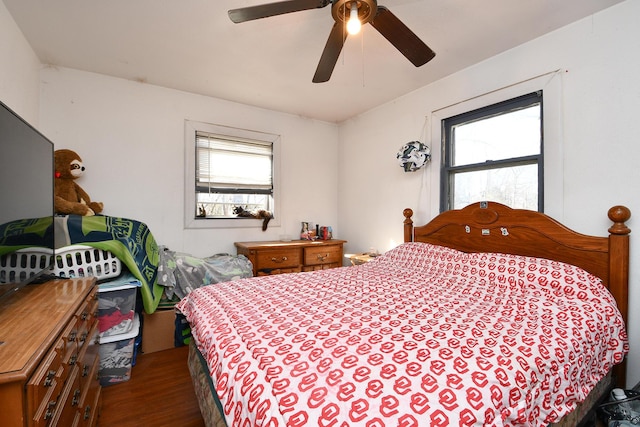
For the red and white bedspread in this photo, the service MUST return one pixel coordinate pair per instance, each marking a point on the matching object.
(421, 336)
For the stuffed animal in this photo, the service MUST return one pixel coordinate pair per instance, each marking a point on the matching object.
(70, 197)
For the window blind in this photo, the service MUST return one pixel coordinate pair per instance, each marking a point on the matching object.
(229, 166)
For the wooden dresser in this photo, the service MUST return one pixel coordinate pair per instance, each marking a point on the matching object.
(289, 257)
(49, 357)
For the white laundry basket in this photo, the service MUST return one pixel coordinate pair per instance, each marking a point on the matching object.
(23, 264)
(84, 261)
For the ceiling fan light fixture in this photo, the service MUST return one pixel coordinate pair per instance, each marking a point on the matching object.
(342, 10)
(361, 12)
(354, 25)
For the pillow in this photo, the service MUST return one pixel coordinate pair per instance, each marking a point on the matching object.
(538, 275)
(422, 256)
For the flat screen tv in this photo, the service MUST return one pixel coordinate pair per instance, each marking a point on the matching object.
(26, 203)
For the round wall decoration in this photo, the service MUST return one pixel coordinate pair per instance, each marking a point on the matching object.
(413, 155)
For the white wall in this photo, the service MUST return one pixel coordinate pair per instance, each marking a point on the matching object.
(19, 70)
(131, 138)
(594, 158)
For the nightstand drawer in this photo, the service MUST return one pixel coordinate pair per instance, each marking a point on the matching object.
(279, 258)
(325, 254)
(276, 257)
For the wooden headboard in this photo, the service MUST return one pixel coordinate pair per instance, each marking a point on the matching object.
(493, 227)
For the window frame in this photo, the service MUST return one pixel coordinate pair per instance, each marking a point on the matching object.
(490, 91)
(190, 218)
(210, 146)
(448, 171)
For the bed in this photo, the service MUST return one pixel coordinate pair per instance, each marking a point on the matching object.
(484, 316)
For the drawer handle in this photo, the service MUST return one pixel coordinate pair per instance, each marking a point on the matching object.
(50, 409)
(72, 336)
(83, 337)
(85, 370)
(322, 257)
(76, 397)
(73, 360)
(87, 412)
(274, 259)
(49, 380)
(84, 315)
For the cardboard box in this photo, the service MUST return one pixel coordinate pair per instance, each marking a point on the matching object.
(158, 330)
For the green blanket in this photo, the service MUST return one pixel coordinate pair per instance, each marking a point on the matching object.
(129, 240)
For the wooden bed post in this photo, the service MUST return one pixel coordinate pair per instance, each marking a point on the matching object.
(618, 253)
(408, 225)
(619, 273)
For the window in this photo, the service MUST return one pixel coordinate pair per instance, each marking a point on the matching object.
(495, 153)
(227, 168)
(230, 173)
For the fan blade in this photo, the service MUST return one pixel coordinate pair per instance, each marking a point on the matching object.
(330, 54)
(272, 9)
(402, 37)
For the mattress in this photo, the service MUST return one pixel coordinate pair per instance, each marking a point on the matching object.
(423, 335)
(211, 408)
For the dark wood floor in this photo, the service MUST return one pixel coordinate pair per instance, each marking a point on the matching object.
(159, 393)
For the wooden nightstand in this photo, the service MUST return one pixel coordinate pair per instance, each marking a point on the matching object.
(276, 257)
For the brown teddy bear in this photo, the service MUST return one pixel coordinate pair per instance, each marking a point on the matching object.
(70, 197)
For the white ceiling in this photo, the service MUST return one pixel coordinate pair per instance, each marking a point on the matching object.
(191, 45)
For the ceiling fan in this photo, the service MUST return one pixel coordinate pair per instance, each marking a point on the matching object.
(345, 13)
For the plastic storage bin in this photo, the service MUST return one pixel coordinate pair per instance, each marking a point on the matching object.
(83, 261)
(116, 356)
(116, 305)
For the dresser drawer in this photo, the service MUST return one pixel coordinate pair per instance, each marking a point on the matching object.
(321, 255)
(88, 356)
(67, 413)
(85, 317)
(278, 259)
(44, 413)
(46, 384)
(89, 402)
(71, 338)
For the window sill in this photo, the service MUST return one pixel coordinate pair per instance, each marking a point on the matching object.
(227, 222)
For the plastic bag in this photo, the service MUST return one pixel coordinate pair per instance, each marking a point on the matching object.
(624, 412)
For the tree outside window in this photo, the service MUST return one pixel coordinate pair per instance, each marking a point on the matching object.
(495, 153)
